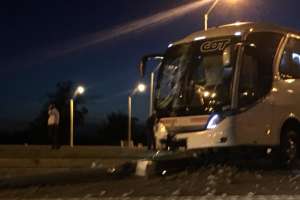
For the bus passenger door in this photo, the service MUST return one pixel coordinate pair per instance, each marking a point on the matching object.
(254, 96)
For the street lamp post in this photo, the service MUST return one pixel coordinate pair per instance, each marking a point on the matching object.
(211, 9)
(80, 90)
(129, 121)
(140, 88)
(71, 122)
(208, 12)
(151, 93)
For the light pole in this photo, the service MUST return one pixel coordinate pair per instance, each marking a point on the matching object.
(79, 90)
(210, 10)
(140, 88)
(151, 93)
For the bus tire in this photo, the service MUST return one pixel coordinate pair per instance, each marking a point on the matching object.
(289, 148)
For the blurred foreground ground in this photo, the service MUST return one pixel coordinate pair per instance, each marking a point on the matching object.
(251, 180)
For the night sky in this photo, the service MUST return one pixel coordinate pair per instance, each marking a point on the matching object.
(44, 42)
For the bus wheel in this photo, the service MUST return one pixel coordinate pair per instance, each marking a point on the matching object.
(289, 148)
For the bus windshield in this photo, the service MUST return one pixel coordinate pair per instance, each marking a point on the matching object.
(196, 78)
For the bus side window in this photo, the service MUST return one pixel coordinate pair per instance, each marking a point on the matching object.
(256, 72)
(290, 60)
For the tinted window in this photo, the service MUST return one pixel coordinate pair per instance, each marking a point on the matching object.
(257, 67)
(290, 60)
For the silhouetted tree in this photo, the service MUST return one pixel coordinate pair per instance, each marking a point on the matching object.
(61, 98)
(115, 128)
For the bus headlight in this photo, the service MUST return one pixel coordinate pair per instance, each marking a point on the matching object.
(214, 121)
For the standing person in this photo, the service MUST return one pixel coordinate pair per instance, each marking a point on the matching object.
(53, 123)
(150, 132)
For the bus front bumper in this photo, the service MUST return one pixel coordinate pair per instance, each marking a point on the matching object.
(197, 140)
(205, 139)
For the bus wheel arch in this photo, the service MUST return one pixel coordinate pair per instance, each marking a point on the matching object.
(290, 142)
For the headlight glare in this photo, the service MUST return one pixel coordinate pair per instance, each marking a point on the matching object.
(214, 121)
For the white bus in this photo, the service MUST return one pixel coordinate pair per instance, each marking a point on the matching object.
(236, 85)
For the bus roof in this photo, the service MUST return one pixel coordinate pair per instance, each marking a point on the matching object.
(235, 29)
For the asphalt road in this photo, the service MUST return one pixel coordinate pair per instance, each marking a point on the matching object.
(179, 179)
(234, 197)
(211, 181)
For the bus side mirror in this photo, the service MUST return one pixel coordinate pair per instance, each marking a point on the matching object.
(142, 66)
(145, 59)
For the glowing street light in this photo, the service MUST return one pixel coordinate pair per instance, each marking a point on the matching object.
(211, 9)
(79, 91)
(140, 88)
